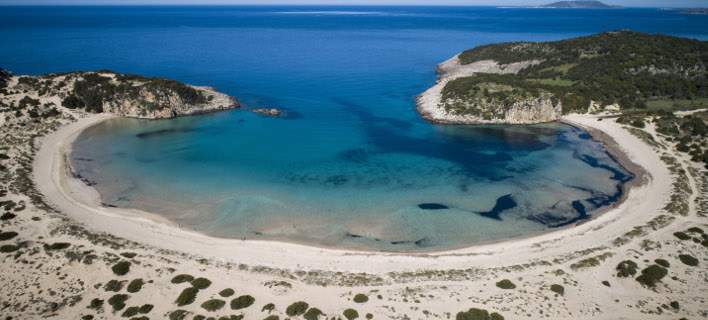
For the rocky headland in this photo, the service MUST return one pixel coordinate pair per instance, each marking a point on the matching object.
(533, 82)
(109, 92)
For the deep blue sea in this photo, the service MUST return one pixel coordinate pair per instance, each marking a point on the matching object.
(352, 164)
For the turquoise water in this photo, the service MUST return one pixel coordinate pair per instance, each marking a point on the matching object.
(351, 164)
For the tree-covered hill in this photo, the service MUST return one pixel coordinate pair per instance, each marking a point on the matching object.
(627, 68)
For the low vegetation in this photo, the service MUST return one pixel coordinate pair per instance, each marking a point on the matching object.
(506, 284)
(297, 308)
(242, 302)
(121, 268)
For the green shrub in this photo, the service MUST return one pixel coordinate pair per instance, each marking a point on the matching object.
(72, 102)
(361, 298)
(312, 314)
(213, 304)
(268, 307)
(9, 248)
(272, 317)
(478, 314)
(688, 260)
(559, 289)
(187, 296)
(57, 246)
(118, 301)
(674, 304)
(350, 314)
(369, 316)
(7, 235)
(178, 315)
(506, 284)
(182, 278)
(131, 311)
(121, 268)
(651, 275)
(135, 285)
(297, 308)
(681, 235)
(201, 283)
(113, 285)
(226, 292)
(242, 302)
(662, 263)
(95, 304)
(146, 308)
(627, 268)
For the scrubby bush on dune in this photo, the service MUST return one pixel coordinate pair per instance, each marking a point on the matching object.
(113, 285)
(506, 284)
(312, 314)
(242, 302)
(296, 308)
(688, 260)
(268, 307)
(201, 283)
(478, 314)
(361, 298)
(7, 235)
(350, 314)
(135, 285)
(187, 296)
(662, 263)
(181, 278)
(651, 275)
(626, 269)
(213, 304)
(9, 248)
(121, 268)
(118, 301)
(226, 292)
(559, 289)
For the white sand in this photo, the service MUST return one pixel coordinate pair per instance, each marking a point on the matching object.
(81, 203)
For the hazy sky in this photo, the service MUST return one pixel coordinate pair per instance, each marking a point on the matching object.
(629, 3)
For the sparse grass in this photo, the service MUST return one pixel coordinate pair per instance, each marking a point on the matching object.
(557, 288)
(135, 285)
(688, 260)
(627, 268)
(181, 278)
(118, 301)
(226, 292)
(361, 298)
(506, 284)
(242, 302)
(201, 283)
(121, 268)
(187, 296)
(213, 305)
(350, 314)
(297, 308)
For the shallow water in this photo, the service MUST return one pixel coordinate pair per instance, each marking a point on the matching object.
(351, 164)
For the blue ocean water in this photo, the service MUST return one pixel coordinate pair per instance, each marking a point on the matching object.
(352, 164)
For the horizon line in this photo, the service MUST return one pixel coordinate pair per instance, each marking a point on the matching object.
(316, 4)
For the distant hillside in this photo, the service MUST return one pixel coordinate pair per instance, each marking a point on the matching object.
(579, 5)
(625, 69)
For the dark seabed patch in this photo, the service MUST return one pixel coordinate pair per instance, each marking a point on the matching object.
(162, 132)
(503, 203)
(432, 206)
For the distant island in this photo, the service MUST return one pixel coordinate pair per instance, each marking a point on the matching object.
(531, 82)
(579, 5)
(697, 11)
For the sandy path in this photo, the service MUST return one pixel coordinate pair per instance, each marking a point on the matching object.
(80, 203)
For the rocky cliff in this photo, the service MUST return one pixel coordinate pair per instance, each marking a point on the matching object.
(119, 94)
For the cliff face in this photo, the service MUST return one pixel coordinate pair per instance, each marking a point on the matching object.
(119, 94)
(507, 106)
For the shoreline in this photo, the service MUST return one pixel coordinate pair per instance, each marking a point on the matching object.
(56, 185)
